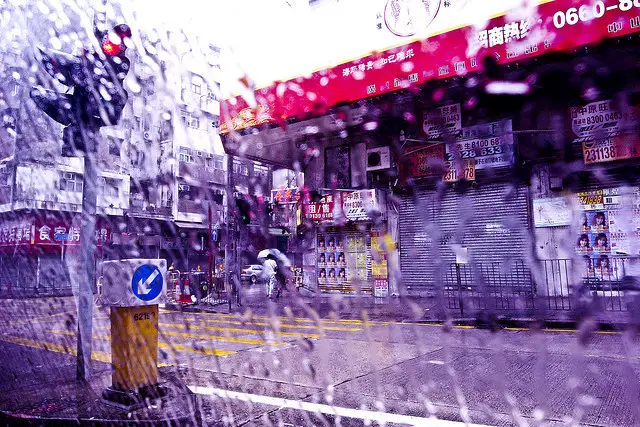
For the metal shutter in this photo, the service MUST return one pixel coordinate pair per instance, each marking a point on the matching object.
(490, 220)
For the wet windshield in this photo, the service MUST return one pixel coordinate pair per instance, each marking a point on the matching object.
(319, 212)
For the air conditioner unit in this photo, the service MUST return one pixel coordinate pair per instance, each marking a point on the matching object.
(67, 175)
(146, 136)
(378, 158)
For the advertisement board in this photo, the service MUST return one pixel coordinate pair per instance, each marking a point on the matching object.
(552, 212)
(324, 210)
(489, 144)
(40, 230)
(285, 195)
(423, 161)
(606, 133)
(441, 121)
(434, 40)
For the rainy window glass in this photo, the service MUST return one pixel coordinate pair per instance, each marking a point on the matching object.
(320, 213)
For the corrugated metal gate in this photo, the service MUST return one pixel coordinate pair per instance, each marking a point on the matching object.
(489, 222)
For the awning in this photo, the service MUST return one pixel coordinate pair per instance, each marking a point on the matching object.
(192, 225)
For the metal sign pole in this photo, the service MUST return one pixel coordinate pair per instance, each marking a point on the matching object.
(86, 268)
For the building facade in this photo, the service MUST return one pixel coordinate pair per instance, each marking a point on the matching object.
(164, 175)
(488, 173)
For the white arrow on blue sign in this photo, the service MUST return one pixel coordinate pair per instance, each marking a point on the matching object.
(147, 282)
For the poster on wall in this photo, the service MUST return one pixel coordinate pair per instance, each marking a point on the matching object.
(423, 161)
(606, 133)
(331, 260)
(552, 212)
(609, 229)
(441, 121)
(490, 145)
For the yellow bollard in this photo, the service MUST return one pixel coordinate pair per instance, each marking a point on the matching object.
(134, 347)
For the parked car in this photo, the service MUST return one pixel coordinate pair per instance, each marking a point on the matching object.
(251, 273)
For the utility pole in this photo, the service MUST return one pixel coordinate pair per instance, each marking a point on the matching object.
(97, 100)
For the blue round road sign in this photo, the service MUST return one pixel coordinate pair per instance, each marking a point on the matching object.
(147, 282)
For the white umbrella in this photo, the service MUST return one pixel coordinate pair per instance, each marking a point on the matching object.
(279, 256)
(263, 254)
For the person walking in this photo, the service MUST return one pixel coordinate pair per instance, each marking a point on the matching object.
(270, 269)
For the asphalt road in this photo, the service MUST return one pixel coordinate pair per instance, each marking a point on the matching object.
(306, 371)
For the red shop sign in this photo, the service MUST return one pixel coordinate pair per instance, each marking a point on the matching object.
(561, 25)
(323, 210)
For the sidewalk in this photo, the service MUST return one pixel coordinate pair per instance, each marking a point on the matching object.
(417, 309)
(58, 400)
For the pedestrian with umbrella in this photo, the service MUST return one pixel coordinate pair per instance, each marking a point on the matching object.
(273, 261)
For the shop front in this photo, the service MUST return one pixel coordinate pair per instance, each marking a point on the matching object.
(347, 254)
(467, 216)
(34, 250)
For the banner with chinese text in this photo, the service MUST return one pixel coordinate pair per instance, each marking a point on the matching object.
(448, 45)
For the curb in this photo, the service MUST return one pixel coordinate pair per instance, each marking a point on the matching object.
(16, 419)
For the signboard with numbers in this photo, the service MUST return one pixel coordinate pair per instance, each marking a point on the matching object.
(357, 205)
(441, 121)
(401, 59)
(605, 133)
(489, 144)
(322, 211)
(465, 171)
(423, 161)
(609, 226)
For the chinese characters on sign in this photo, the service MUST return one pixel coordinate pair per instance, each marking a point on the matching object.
(559, 25)
(500, 35)
(423, 161)
(285, 195)
(323, 210)
(489, 144)
(445, 120)
(358, 205)
(370, 65)
(46, 231)
(605, 133)
(466, 171)
(482, 146)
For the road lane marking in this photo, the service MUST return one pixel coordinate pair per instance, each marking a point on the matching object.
(100, 356)
(286, 325)
(285, 318)
(39, 318)
(162, 345)
(380, 417)
(237, 330)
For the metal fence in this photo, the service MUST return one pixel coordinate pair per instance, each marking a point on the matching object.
(559, 284)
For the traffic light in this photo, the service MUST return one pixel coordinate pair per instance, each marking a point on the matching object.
(98, 96)
(244, 210)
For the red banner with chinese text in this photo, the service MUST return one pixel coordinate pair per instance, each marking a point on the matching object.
(560, 25)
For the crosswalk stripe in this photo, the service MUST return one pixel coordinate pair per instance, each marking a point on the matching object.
(236, 330)
(162, 345)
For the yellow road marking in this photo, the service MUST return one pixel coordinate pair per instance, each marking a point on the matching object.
(38, 318)
(287, 326)
(100, 356)
(162, 345)
(295, 319)
(236, 330)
